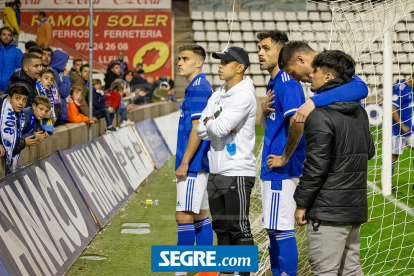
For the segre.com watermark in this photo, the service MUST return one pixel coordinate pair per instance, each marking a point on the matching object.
(173, 258)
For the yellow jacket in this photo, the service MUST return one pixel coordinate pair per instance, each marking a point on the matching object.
(44, 34)
(10, 20)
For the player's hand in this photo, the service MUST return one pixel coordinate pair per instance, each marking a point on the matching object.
(234, 131)
(207, 119)
(181, 172)
(65, 72)
(267, 105)
(300, 216)
(303, 112)
(405, 128)
(111, 109)
(92, 121)
(274, 161)
(2, 151)
(30, 141)
(54, 120)
(40, 135)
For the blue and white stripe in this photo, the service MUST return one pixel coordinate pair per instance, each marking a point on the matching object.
(189, 194)
(274, 212)
(202, 223)
(285, 77)
(197, 82)
(185, 227)
(285, 235)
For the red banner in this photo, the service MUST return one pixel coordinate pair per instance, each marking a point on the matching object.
(144, 36)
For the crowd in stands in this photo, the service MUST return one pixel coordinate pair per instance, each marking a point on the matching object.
(38, 93)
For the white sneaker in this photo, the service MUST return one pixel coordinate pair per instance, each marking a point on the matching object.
(126, 123)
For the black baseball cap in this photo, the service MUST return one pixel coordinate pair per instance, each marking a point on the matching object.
(234, 53)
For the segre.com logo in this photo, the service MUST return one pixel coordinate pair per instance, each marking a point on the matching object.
(174, 258)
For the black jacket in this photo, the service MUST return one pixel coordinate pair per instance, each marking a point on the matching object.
(333, 185)
(20, 76)
(109, 79)
(20, 142)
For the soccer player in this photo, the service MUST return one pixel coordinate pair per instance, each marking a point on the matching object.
(283, 137)
(332, 190)
(295, 59)
(402, 99)
(191, 163)
(228, 122)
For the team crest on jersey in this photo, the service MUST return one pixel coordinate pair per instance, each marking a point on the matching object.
(272, 116)
(217, 113)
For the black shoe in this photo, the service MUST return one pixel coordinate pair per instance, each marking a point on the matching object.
(111, 129)
(395, 191)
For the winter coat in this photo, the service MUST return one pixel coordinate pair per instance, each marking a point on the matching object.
(99, 100)
(333, 185)
(10, 20)
(109, 79)
(73, 113)
(10, 60)
(20, 76)
(28, 112)
(58, 64)
(44, 34)
(113, 98)
(76, 80)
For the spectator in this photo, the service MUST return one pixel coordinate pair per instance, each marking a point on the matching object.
(29, 44)
(156, 85)
(16, 8)
(44, 31)
(114, 99)
(100, 108)
(77, 63)
(171, 96)
(11, 118)
(58, 64)
(124, 65)
(10, 20)
(113, 72)
(37, 50)
(44, 88)
(139, 82)
(138, 69)
(33, 116)
(74, 103)
(80, 81)
(10, 57)
(161, 93)
(47, 55)
(28, 74)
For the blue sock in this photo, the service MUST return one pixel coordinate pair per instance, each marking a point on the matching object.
(203, 232)
(186, 234)
(283, 252)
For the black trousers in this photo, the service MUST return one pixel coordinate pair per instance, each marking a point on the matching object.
(229, 201)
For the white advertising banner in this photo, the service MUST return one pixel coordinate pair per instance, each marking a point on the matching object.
(168, 126)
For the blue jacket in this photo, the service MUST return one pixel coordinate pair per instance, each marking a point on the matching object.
(17, 11)
(10, 60)
(99, 100)
(58, 64)
(28, 112)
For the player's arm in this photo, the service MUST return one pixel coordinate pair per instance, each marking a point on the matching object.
(294, 136)
(318, 135)
(397, 118)
(354, 90)
(267, 108)
(192, 146)
(201, 128)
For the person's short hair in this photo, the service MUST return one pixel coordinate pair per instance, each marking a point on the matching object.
(47, 49)
(5, 28)
(17, 2)
(9, 4)
(141, 71)
(29, 44)
(289, 49)
(77, 60)
(27, 58)
(118, 85)
(277, 37)
(43, 100)
(18, 88)
(339, 64)
(138, 64)
(83, 66)
(75, 88)
(42, 14)
(196, 49)
(36, 49)
(171, 83)
(126, 73)
(96, 81)
(113, 64)
(47, 71)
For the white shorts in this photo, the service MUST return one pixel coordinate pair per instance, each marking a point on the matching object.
(192, 193)
(399, 143)
(278, 204)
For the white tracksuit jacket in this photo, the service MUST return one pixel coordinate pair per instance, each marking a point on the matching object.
(233, 110)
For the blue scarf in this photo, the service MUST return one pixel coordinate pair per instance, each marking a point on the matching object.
(43, 21)
(47, 123)
(10, 132)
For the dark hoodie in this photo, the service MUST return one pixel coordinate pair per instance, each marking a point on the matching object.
(20, 76)
(109, 79)
(58, 64)
(333, 185)
(10, 60)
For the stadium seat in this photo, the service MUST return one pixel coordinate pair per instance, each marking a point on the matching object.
(220, 15)
(230, 15)
(246, 26)
(282, 26)
(321, 36)
(210, 26)
(270, 25)
(261, 92)
(308, 36)
(399, 26)
(208, 15)
(255, 69)
(256, 16)
(213, 47)
(206, 69)
(291, 16)
(244, 16)
(258, 26)
(323, 7)
(210, 79)
(302, 16)
(295, 35)
(254, 58)
(326, 16)
(222, 26)
(259, 80)
(403, 58)
(395, 68)
(250, 47)
(267, 16)
(196, 15)
(204, 45)
(293, 26)
(198, 26)
(217, 81)
(236, 26)
(311, 6)
(223, 36)
(407, 47)
(248, 36)
(369, 69)
(211, 36)
(199, 36)
(279, 16)
(314, 16)
(397, 47)
(236, 36)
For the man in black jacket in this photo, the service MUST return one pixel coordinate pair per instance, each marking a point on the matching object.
(332, 192)
(28, 74)
(112, 73)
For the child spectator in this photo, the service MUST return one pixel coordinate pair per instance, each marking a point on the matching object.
(161, 93)
(33, 116)
(74, 102)
(100, 108)
(11, 125)
(43, 87)
(114, 99)
(171, 96)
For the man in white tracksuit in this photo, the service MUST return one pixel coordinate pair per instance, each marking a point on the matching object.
(228, 122)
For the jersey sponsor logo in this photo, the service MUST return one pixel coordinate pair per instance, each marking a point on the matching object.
(395, 98)
(272, 116)
(178, 204)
